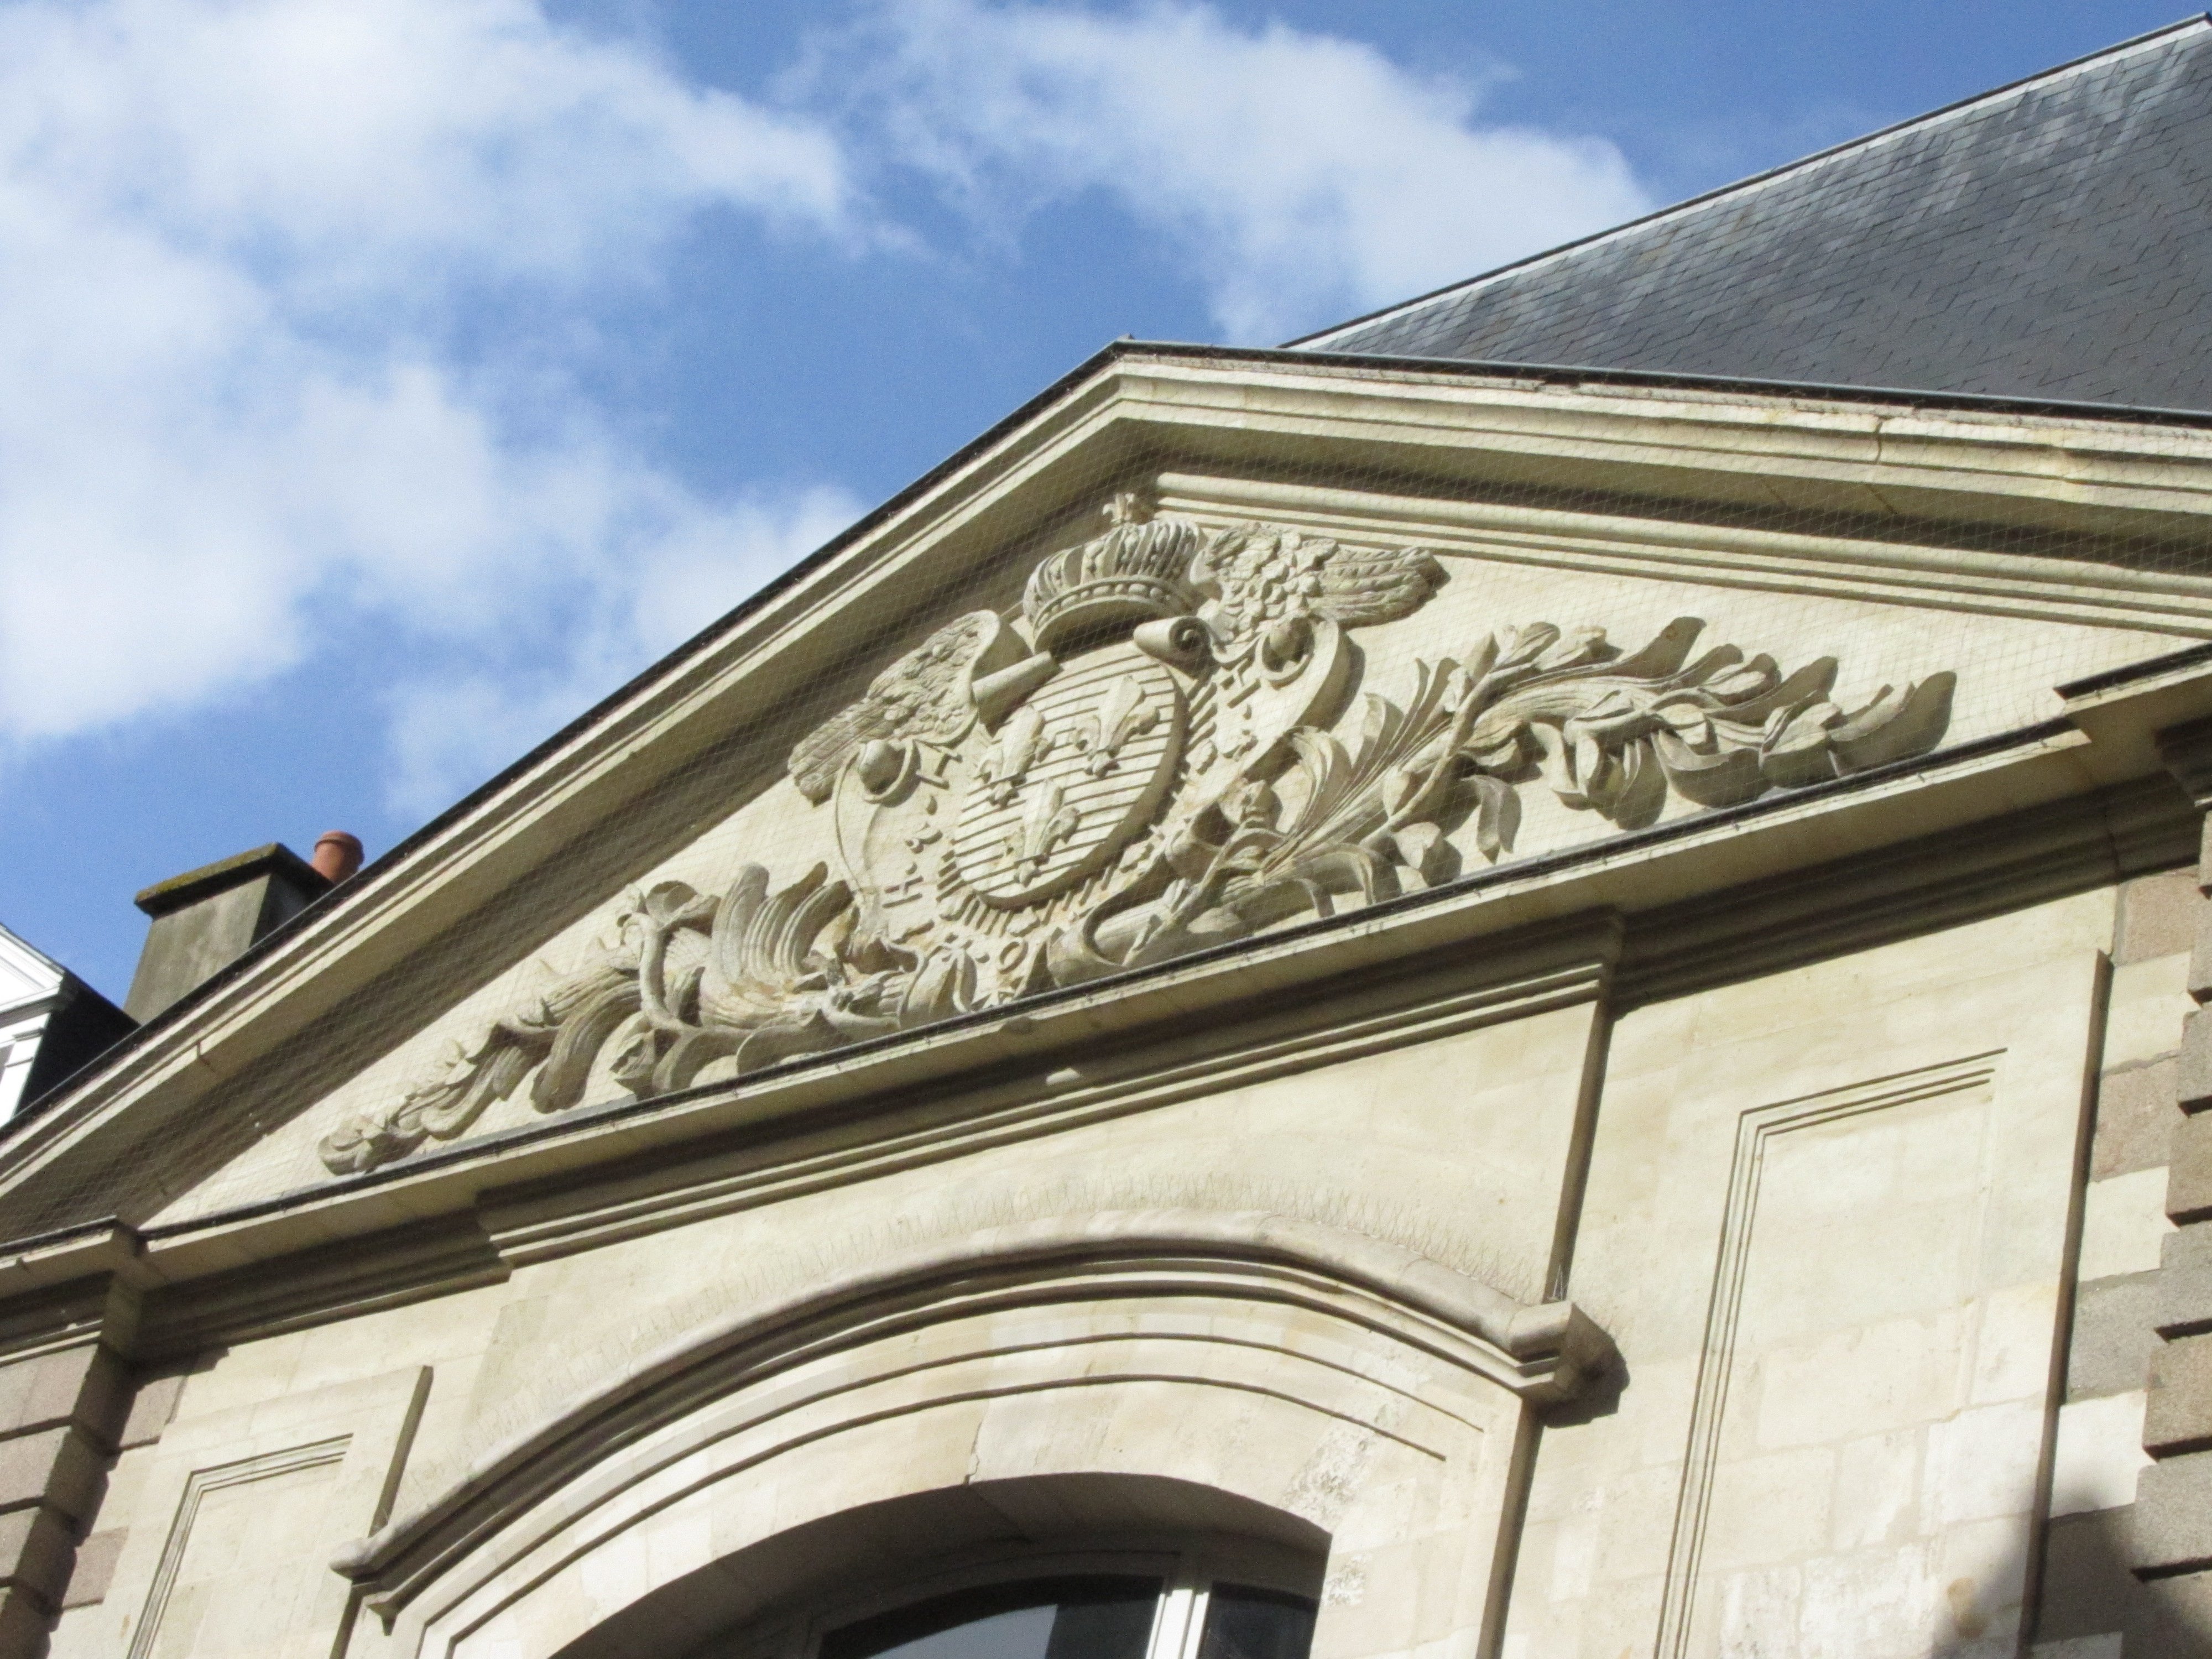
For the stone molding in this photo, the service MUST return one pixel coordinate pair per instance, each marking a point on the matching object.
(1755, 1129)
(1543, 1354)
(1710, 853)
(549, 1206)
(269, 1465)
(1567, 965)
(195, 1297)
(1942, 881)
(1470, 430)
(437, 1256)
(331, 1454)
(1834, 566)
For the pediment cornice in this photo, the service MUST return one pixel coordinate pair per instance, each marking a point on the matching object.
(1220, 434)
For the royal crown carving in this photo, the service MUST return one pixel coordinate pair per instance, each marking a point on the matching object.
(1155, 757)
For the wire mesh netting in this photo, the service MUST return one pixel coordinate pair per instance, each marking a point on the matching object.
(1219, 691)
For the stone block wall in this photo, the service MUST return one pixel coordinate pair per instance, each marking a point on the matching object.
(62, 1413)
(2121, 1579)
(2093, 1604)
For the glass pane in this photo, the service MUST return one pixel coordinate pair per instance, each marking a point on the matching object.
(1244, 1623)
(1090, 1617)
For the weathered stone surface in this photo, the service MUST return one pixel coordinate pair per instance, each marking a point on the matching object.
(95, 1568)
(2123, 1225)
(57, 1467)
(2174, 1515)
(2186, 1599)
(2200, 959)
(23, 1623)
(2159, 916)
(205, 919)
(2185, 1282)
(86, 1385)
(2193, 1072)
(2115, 1333)
(36, 1549)
(2135, 1119)
(2091, 1605)
(2178, 1415)
(152, 1405)
(2189, 1176)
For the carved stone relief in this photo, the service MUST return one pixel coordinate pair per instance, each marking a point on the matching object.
(1150, 759)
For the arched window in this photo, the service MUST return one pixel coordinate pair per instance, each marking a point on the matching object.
(1228, 1601)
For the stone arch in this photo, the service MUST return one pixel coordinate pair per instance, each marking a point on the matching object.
(785, 1574)
(1379, 1397)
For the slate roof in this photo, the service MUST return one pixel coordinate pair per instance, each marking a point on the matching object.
(2050, 239)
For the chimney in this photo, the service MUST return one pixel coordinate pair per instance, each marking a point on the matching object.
(206, 919)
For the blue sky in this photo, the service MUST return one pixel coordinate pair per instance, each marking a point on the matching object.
(382, 381)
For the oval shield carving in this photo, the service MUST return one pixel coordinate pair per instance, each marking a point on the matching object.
(1069, 778)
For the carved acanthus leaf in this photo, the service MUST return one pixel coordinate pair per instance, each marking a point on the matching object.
(1010, 820)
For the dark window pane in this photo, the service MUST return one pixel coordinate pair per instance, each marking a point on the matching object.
(1117, 1626)
(1088, 1618)
(1244, 1623)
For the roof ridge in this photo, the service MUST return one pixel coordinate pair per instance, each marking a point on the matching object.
(1751, 181)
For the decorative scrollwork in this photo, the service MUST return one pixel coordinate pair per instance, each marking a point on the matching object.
(1150, 761)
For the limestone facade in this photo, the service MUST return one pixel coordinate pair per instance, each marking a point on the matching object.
(1556, 1012)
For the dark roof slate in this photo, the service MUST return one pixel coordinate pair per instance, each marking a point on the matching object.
(2051, 240)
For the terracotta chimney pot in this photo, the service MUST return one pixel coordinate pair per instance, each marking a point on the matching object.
(337, 855)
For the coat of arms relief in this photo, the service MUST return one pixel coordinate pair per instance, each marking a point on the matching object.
(1154, 756)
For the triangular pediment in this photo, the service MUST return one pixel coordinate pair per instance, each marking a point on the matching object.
(1203, 653)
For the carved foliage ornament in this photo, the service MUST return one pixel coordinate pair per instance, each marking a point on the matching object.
(1149, 759)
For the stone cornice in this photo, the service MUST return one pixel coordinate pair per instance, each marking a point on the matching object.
(1616, 542)
(270, 1268)
(1150, 406)
(606, 1174)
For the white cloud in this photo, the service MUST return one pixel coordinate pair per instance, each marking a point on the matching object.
(239, 242)
(288, 288)
(1302, 176)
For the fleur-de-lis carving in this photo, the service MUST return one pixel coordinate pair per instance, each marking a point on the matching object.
(1009, 760)
(1128, 713)
(1048, 822)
